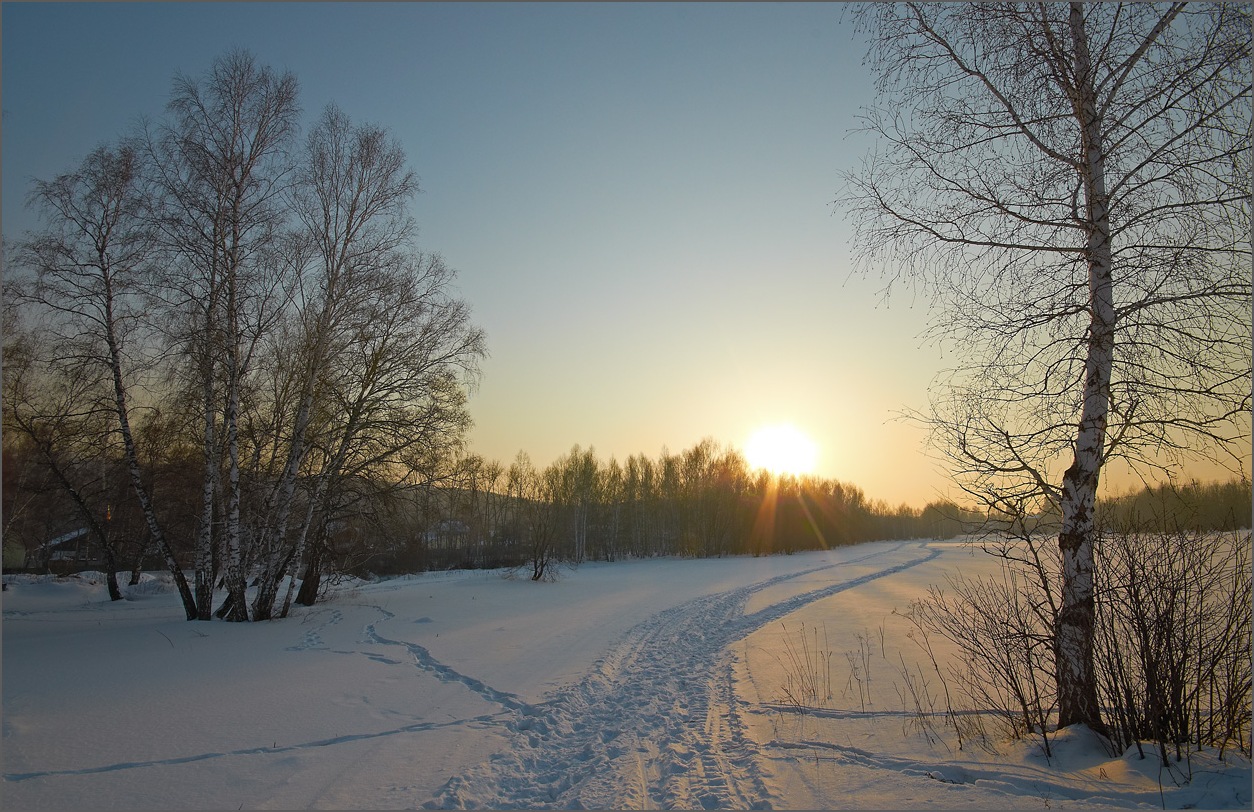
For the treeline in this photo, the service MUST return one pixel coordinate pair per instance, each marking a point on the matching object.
(1204, 507)
(223, 345)
(703, 501)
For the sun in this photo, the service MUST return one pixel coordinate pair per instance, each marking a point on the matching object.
(782, 449)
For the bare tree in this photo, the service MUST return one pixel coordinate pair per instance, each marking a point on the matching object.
(58, 409)
(89, 266)
(394, 412)
(1070, 184)
(222, 165)
(351, 199)
(535, 517)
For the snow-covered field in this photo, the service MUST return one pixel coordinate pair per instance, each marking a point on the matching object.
(655, 684)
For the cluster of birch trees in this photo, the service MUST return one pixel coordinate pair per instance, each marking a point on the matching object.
(224, 333)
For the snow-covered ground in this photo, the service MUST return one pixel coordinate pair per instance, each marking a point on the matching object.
(655, 684)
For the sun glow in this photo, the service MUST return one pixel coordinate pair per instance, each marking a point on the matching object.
(782, 449)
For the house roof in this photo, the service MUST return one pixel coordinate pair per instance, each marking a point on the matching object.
(70, 536)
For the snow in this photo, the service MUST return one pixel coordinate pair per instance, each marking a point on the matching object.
(653, 684)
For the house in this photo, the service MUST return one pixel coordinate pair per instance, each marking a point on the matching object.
(70, 552)
(447, 533)
(14, 556)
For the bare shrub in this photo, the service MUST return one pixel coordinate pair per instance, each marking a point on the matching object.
(916, 698)
(1172, 642)
(860, 668)
(807, 670)
(1173, 638)
(1006, 655)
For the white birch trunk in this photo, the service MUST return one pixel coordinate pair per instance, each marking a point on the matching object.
(1077, 683)
(234, 556)
(281, 556)
(132, 461)
(299, 553)
(204, 534)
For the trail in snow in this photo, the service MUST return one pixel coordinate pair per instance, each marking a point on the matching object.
(655, 723)
(424, 660)
(660, 720)
(253, 751)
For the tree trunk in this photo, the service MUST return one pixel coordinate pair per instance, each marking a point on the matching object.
(234, 553)
(102, 537)
(297, 555)
(233, 537)
(1073, 629)
(111, 572)
(204, 569)
(308, 594)
(281, 556)
(132, 464)
(137, 566)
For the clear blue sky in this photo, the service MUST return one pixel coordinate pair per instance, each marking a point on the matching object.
(637, 198)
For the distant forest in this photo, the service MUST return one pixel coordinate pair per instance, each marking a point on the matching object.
(707, 501)
(1192, 506)
(703, 501)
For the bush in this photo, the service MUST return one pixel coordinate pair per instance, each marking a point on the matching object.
(1172, 637)
(1004, 632)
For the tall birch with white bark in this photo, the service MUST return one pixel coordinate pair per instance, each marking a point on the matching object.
(223, 164)
(351, 199)
(1069, 186)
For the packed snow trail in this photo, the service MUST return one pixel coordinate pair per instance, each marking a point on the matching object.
(656, 722)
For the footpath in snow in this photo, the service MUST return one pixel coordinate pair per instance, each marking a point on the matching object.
(656, 723)
(647, 684)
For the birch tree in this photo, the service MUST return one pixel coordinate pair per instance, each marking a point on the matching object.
(351, 197)
(57, 410)
(90, 267)
(222, 164)
(535, 518)
(394, 413)
(1069, 185)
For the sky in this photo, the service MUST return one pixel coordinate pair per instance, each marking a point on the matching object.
(638, 200)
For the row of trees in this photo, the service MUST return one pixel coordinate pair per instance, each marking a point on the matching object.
(703, 501)
(224, 337)
(1196, 506)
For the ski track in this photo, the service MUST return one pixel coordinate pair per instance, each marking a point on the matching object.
(656, 722)
(487, 719)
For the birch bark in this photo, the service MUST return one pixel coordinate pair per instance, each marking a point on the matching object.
(1073, 631)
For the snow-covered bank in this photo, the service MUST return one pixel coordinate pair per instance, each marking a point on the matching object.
(636, 684)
